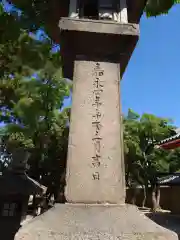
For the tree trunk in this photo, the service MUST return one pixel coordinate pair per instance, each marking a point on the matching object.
(133, 200)
(135, 192)
(34, 205)
(145, 196)
(158, 196)
(155, 198)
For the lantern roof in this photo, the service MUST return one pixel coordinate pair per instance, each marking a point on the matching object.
(135, 9)
(170, 180)
(11, 183)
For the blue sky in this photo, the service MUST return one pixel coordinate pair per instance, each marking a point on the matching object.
(151, 83)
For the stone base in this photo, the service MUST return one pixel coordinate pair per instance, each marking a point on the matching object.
(93, 222)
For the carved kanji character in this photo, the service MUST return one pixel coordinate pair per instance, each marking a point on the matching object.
(98, 84)
(97, 115)
(96, 160)
(96, 176)
(97, 126)
(97, 144)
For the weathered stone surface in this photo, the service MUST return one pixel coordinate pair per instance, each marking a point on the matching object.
(93, 222)
(99, 26)
(95, 165)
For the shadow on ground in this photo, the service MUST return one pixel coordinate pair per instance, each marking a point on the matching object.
(166, 220)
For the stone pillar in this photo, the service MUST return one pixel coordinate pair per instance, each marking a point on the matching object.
(95, 159)
(73, 9)
(123, 17)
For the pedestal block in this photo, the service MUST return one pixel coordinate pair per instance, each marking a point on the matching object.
(93, 222)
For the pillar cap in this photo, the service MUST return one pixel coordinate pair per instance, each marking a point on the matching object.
(106, 40)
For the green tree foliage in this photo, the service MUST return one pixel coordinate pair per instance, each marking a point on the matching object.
(158, 7)
(171, 157)
(143, 161)
(141, 133)
(32, 92)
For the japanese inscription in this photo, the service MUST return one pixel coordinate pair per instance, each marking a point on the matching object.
(96, 160)
(98, 72)
(96, 176)
(97, 144)
(97, 125)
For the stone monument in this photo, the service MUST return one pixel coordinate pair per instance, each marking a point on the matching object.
(97, 40)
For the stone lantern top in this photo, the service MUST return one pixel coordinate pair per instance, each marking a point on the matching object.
(121, 11)
(115, 10)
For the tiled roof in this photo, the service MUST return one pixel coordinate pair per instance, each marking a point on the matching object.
(177, 136)
(171, 180)
(172, 138)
